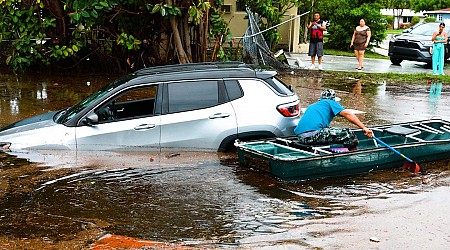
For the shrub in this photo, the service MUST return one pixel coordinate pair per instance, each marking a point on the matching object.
(415, 20)
(390, 20)
(429, 19)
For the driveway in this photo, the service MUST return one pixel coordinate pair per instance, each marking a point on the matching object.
(345, 63)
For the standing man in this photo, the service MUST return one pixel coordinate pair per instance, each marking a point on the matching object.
(316, 28)
(314, 126)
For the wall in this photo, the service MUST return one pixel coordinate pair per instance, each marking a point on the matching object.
(289, 31)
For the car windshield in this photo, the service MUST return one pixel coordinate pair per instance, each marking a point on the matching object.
(69, 113)
(426, 29)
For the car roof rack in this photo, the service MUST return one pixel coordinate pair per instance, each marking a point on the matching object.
(191, 67)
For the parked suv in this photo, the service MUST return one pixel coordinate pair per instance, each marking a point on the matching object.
(414, 44)
(195, 107)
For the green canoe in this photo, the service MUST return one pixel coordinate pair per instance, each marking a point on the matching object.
(423, 141)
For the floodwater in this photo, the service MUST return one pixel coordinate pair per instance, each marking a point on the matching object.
(71, 200)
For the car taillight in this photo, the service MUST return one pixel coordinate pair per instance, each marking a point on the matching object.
(289, 110)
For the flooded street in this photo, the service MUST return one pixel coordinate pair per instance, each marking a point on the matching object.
(70, 200)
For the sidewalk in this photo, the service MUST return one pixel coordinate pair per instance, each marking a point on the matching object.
(344, 63)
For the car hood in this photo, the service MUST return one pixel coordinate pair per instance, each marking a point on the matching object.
(413, 37)
(31, 123)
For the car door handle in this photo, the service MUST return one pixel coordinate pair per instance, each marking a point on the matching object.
(144, 126)
(219, 115)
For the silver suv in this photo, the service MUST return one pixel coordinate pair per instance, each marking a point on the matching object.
(194, 107)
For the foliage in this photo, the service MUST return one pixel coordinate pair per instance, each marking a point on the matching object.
(344, 20)
(429, 19)
(415, 20)
(122, 34)
(423, 5)
(390, 20)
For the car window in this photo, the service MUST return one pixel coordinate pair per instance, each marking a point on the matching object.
(133, 103)
(279, 86)
(184, 96)
(233, 89)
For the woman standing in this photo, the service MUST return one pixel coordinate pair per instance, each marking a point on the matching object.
(360, 38)
(439, 38)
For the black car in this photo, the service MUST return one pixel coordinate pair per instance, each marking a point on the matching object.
(414, 44)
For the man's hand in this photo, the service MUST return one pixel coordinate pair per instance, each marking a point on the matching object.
(368, 133)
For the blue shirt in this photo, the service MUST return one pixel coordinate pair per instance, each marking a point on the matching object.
(318, 116)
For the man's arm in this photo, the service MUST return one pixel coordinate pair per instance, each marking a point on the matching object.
(323, 27)
(355, 120)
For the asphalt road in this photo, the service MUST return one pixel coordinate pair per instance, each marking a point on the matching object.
(344, 63)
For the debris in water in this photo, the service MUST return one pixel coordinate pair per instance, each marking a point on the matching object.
(374, 239)
(173, 155)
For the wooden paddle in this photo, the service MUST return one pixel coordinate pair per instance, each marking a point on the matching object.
(410, 165)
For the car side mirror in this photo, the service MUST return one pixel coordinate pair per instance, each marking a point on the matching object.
(91, 119)
(406, 30)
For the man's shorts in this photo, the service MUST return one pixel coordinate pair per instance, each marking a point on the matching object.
(328, 136)
(315, 49)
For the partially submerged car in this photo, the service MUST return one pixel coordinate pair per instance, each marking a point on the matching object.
(190, 107)
(414, 44)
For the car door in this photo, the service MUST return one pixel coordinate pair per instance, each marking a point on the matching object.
(129, 120)
(196, 116)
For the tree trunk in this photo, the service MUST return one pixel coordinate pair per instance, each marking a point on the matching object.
(187, 37)
(205, 36)
(55, 8)
(182, 57)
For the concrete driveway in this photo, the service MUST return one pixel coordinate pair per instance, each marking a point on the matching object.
(344, 63)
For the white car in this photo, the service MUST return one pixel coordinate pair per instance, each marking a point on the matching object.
(191, 107)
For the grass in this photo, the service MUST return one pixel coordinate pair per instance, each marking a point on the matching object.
(372, 77)
(419, 78)
(394, 32)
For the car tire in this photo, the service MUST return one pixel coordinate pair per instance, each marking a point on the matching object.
(396, 61)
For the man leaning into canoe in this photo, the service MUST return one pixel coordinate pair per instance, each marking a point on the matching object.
(314, 126)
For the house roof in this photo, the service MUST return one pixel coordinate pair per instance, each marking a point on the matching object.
(441, 11)
(400, 12)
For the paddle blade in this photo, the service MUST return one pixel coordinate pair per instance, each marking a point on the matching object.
(411, 167)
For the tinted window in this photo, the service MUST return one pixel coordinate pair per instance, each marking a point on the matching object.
(279, 86)
(184, 96)
(233, 89)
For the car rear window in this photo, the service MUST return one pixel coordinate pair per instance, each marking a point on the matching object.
(233, 89)
(279, 86)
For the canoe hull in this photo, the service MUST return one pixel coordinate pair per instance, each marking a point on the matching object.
(289, 163)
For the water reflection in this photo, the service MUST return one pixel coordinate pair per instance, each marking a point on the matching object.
(41, 94)
(26, 96)
(435, 95)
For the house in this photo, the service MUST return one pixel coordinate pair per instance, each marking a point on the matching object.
(402, 16)
(289, 32)
(442, 15)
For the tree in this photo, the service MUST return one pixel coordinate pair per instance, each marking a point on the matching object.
(423, 5)
(126, 34)
(344, 19)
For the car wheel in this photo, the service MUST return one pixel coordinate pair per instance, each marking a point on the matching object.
(396, 61)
